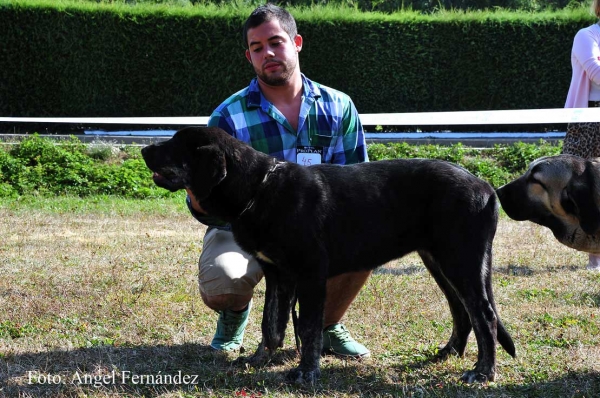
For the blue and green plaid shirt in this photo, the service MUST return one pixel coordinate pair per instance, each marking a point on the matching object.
(328, 119)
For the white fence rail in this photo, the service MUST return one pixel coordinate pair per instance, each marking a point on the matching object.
(416, 119)
(500, 117)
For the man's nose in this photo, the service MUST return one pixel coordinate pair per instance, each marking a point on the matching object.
(269, 52)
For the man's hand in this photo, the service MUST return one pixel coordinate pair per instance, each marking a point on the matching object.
(195, 204)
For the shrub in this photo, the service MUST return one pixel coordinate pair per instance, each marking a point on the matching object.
(497, 165)
(453, 153)
(489, 170)
(43, 166)
(517, 156)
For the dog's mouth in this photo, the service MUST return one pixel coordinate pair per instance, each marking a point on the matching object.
(168, 181)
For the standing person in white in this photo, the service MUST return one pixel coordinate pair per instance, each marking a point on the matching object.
(583, 139)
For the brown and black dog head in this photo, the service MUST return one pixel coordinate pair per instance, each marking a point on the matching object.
(561, 193)
(193, 148)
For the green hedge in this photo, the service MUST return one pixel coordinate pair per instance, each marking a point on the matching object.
(425, 6)
(75, 59)
(41, 166)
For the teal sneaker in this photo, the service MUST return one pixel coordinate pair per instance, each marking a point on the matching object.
(338, 341)
(230, 329)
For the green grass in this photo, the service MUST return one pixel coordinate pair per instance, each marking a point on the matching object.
(101, 286)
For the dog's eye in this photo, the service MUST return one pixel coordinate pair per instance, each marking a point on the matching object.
(534, 180)
(567, 203)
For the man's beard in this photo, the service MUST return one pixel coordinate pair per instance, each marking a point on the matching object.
(287, 70)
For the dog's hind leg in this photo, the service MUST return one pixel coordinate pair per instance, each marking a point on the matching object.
(461, 327)
(279, 296)
(468, 274)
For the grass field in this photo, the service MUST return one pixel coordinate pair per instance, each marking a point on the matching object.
(99, 298)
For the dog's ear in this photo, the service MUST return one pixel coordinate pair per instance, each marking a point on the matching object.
(582, 192)
(205, 169)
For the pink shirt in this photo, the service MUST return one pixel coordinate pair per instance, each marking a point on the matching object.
(585, 61)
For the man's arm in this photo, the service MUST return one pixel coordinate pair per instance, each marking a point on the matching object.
(587, 52)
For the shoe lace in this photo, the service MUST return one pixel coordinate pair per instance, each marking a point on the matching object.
(342, 334)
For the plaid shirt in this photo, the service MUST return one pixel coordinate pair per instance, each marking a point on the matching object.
(328, 119)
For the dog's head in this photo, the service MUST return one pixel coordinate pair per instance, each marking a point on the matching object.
(194, 148)
(562, 193)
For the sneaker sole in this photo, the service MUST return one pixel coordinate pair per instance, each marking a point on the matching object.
(328, 351)
(240, 349)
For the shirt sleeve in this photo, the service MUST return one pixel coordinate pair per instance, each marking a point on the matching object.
(587, 53)
(353, 138)
(217, 119)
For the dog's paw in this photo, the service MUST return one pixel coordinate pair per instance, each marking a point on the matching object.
(444, 353)
(304, 376)
(260, 357)
(473, 376)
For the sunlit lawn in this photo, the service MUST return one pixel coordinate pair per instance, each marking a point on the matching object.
(99, 298)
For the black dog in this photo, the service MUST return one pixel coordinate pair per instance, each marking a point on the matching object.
(561, 193)
(306, 224)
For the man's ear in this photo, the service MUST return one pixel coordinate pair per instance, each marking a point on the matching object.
(298, 40)
(205, 170)
(581, 190)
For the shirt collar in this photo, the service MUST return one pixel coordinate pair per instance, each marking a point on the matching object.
(255, 97)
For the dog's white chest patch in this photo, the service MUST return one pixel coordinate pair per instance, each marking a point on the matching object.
(261, 256)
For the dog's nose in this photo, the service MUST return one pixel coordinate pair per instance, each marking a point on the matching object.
(501, 192)
(145, 150)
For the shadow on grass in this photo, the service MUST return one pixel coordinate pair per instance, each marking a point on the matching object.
(196, 370)
(406, 270)
(518, 270)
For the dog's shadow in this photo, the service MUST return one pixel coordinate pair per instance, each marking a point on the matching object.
(526, 271)
(139, 370)
(198, 369)
(155, 370)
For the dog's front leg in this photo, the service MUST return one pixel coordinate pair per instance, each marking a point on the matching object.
(311, 299)
(279, 296)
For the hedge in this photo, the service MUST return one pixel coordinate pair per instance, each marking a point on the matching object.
(78, 59)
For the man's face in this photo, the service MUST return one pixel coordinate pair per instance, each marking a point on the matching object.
(272, 53)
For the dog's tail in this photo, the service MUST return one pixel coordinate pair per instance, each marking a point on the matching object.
(502, 335)
(505, 340)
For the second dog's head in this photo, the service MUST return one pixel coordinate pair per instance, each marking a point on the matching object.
(562, 193)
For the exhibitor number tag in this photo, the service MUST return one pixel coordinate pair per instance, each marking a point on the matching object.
(309, 155)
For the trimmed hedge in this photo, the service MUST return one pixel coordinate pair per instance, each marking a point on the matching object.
(82, 59)
(426, 6)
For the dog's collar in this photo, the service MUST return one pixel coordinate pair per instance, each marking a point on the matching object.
(268, 173)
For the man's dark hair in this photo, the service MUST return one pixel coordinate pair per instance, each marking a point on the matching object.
(269, 12)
